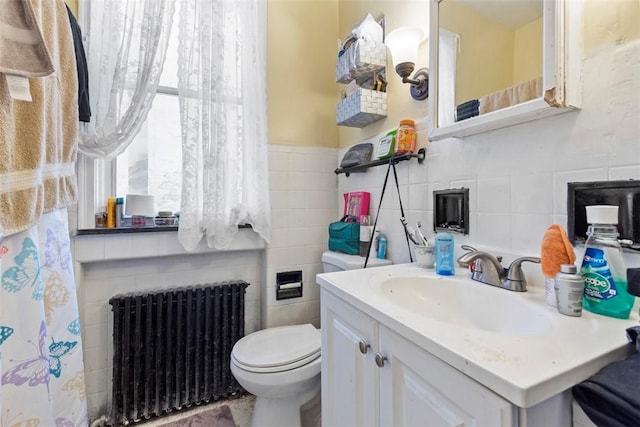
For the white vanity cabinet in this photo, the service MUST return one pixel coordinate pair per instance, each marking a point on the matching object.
(411, 388)
(350, 377)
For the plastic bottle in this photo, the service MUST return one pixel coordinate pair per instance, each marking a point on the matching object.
(603, 269)
(119, 213)
(406, 137)
(444, 254)
(111, 212)
(569, 290)
(365, 234)
(386, 145)
(381, 245)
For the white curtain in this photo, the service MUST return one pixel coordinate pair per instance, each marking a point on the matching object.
(222, 90)
(126, 46)
(447, 57)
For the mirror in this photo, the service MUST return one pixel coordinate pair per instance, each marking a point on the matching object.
(501, 62)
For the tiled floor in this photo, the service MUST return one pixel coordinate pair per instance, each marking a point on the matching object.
(241, 408)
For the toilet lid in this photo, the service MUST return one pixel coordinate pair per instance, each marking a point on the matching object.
(278, 347)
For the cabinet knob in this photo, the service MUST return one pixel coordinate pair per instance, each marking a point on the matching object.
(380, 359)
(363, 346)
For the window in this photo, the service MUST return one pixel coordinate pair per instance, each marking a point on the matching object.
(152, 164)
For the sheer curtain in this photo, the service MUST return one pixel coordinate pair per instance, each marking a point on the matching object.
(447, 57)
(126, 46)
(222, 90)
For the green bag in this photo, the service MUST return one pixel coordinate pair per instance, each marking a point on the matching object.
(345, 236)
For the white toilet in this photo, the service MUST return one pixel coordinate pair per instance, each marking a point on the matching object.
(281, 365)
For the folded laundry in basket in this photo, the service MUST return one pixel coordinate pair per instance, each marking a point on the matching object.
(610, 397)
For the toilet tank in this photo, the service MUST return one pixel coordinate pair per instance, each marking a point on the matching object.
(338, 261)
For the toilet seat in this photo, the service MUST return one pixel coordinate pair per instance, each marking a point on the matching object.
(277, 349)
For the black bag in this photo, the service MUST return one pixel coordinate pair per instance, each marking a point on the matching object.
(345, 236)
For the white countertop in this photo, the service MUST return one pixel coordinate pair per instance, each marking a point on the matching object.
(523, 368)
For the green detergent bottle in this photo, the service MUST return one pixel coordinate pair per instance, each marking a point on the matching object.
(603, 269)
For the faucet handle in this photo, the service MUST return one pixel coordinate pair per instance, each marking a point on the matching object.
(469, 249)
(515, 276)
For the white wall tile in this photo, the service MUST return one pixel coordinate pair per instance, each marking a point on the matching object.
(118, 246)
(494, 230)
(278, 180)
(88, 247)
(278, 161)
(561, 179)
(298, 181)
(494, 195)
(625, 172)
(95, 359)
(527, 231)
(532, 193)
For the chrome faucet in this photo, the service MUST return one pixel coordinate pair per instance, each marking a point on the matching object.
(488, 269)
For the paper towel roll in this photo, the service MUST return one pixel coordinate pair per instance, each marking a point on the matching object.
(140, 204)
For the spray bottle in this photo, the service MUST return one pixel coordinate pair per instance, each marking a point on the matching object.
(380, 245)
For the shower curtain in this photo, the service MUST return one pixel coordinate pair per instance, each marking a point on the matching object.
(41, 366)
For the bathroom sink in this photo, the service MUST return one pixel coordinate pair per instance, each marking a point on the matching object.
(468, 304)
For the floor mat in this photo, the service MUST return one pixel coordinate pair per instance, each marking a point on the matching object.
(218, 417)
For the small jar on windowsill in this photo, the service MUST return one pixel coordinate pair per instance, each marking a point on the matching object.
(166, 221)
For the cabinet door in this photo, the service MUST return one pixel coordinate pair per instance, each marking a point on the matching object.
(349, 377)
(418, 389)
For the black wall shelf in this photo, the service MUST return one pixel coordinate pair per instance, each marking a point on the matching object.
(420, 155)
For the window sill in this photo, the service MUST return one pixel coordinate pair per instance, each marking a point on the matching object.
(110, 244)
(123, 230)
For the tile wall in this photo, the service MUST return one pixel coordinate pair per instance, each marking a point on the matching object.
(518, 176)
(303, 202)
(99, 280)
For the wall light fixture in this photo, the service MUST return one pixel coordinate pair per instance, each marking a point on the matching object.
(403, 44)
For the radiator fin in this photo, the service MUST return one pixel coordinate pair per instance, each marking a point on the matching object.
(172, 348)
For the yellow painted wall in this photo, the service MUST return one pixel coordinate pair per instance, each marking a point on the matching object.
(610, 21)
(485, 59)
(73, 5)
(302, 34)
(301, 89)
(400, 105)
(527, 53)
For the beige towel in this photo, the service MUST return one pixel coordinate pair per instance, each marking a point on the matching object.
(22, 47)
(38, 140)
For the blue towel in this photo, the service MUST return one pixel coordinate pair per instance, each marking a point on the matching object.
(612, 396)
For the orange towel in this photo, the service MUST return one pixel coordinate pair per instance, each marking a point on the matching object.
(556, 250)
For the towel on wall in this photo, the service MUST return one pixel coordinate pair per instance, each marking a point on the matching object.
(22, 48)
(39, 138)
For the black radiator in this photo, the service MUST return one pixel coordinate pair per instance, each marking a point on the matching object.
(171, 348)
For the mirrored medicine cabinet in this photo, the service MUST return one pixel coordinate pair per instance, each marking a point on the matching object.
(500, 63)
